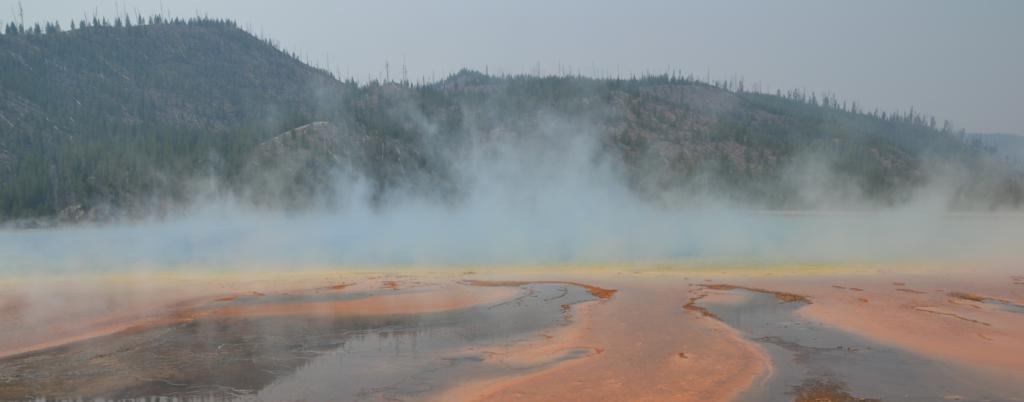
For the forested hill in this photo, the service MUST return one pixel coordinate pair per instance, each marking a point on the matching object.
(125, 117)
(106, 114)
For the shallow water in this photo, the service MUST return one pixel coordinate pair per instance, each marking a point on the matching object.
(296, 357)
(1006, 306)
(805, 352)
(227, 240)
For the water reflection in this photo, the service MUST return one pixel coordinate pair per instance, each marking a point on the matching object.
(805, 352)
(315, 357)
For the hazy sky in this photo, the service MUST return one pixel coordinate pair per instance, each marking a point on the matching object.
(960, 60)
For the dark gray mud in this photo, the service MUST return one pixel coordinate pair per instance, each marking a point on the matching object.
(814, 362)
(321, 358)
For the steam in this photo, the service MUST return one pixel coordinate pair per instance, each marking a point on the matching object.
(552, 197)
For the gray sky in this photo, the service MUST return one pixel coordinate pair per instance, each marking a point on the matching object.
(959, 60)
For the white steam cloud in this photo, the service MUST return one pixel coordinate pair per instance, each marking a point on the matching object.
(549, 198)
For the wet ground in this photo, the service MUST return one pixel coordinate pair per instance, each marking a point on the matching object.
(815, 362)
(300, 357)
(999, 304)
(467, 336)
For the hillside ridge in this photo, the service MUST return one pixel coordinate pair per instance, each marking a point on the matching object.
(120, 120)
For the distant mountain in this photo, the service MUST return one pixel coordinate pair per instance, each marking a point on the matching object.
(119, 119)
